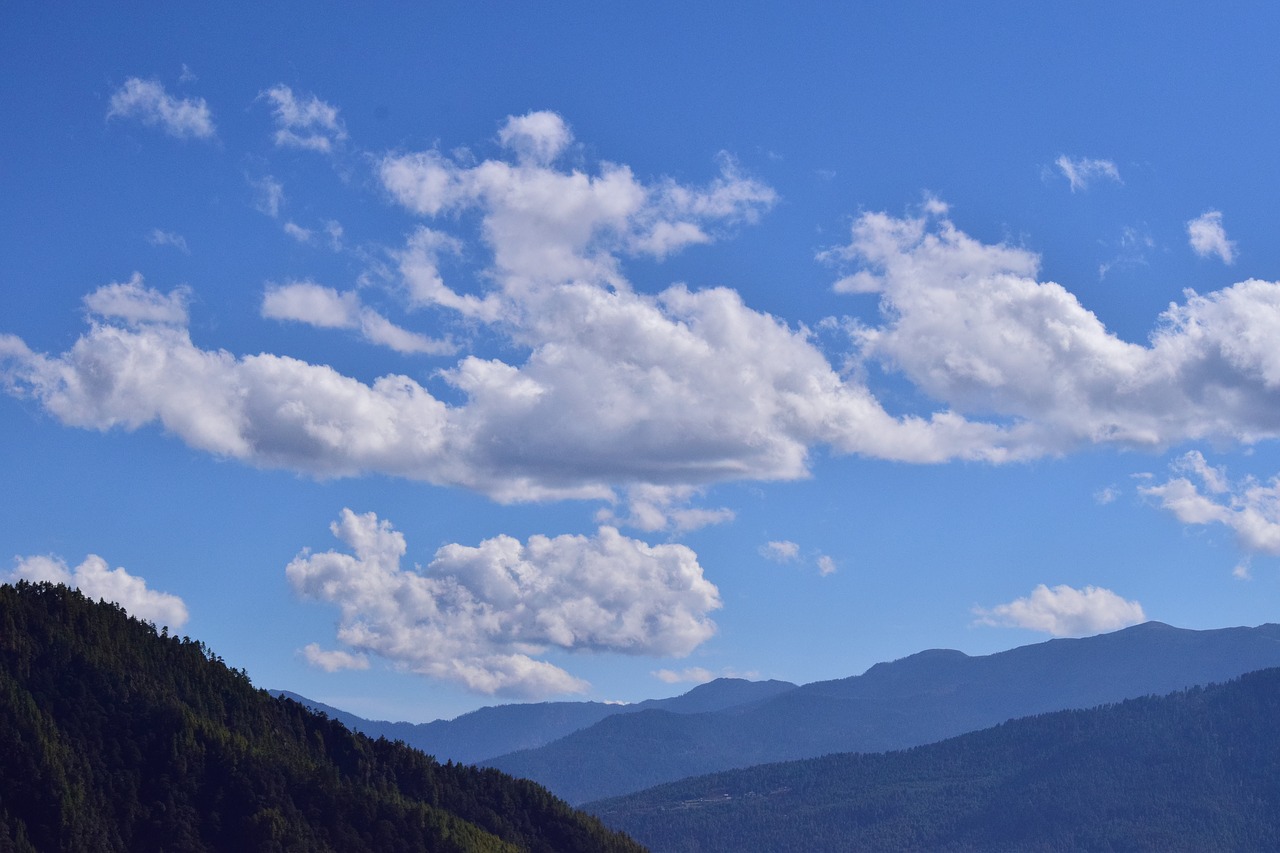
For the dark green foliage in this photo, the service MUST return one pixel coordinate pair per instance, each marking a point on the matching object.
(1196, 770)
(114, 737)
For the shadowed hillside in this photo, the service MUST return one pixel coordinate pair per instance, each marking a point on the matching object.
(1198, 770)
(114, 737)
(916, 700)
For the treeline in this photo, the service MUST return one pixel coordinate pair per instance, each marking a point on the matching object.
(117, 737)
(1197, 770)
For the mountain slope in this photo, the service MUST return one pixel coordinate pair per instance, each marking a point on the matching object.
(1198, 770)
(116, 738)
(499, 729)
(920, 699)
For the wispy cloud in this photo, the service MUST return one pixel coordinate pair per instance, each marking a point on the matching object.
(1082, 171)
(689, 675)
(332, 660)
(148, 102)
(269, 195)
(326, 308)
(304, 122)
(1204, 494)
(168, 238)
(780, 551)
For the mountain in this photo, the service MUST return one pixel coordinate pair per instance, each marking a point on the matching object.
(114, 737)
(1197, 770)
(919, 699)
(496, 730)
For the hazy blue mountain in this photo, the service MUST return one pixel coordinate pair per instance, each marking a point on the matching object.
(916, 700)
(1196, 770)
(499, 729)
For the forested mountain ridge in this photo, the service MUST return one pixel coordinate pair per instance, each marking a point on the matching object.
(116, 737)
(919, 699)
(1196, 770)
(499, 729)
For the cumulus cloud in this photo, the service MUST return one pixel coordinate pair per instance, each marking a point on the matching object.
(536, 137)
(168, 238)
(1209, 238)
(780, 551)
(973, 327)
(478, 616)
(617, 394)
(326, 308)
(304, 122)
(618, 389)
(1203, 494)
(136, 304)
(147, 101)
(97, 580)
(550, 226)
(1064, 611)
(826, 565)
(1081, 171)
(689, 675)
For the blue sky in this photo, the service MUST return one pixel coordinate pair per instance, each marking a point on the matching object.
(452, 354)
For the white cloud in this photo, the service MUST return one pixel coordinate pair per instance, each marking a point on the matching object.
(270, 196)
(333, 229)
(477, 616)
(689, 675)
(136, 304)
(536, 137)
(780, 551)
(97, 580)
(313, 304)
(971, 326)
(616, 391)
(297, 232)
(1081, 171)
(307, 123)
(1208, 237)
(826, 565)
(326, 308)
(1106, 495)
(147, 101)
(168, 238)
(332, 660)
(1064, 611)
(652, 508)
(420, 267)
(1204, 495)
(1242, 571)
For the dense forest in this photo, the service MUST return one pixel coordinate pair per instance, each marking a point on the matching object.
(1196, 770)
(117, 737)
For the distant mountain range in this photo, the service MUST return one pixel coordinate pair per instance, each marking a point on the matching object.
(916, 700)
(497, 730)
(1196, 770)
(586, 751)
